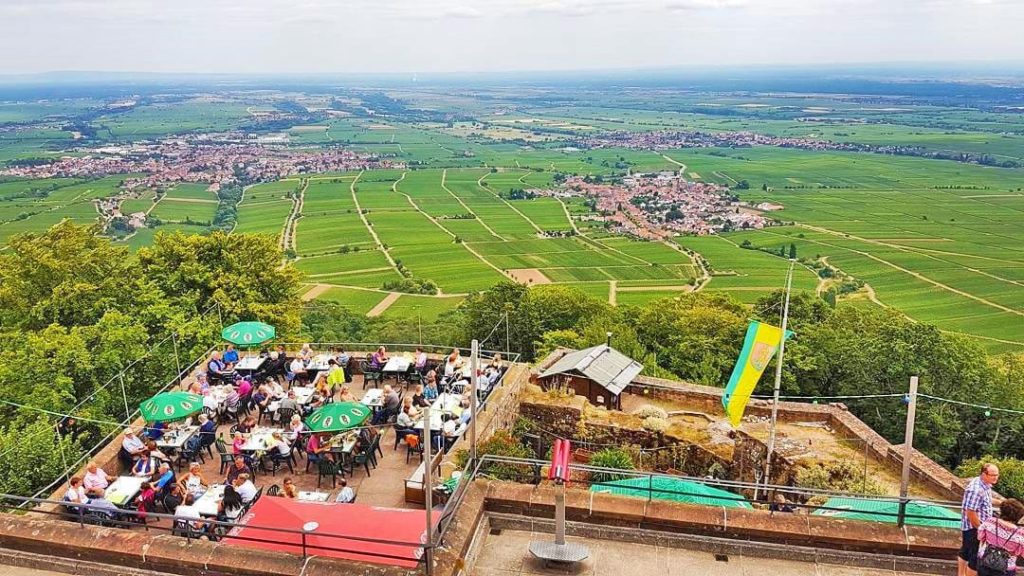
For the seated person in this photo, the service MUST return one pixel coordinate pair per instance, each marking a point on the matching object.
(76, 492)
(237, 468)
(289, 490)
(204, 383)
(165, 478)
(245, 488)
(194, 388)
(306, 353)
(193, 482)
(345, 394)
(262, 397)
(155, 452)
(173, 496)
(379, 359)
(346, 495)
(419, 398)
(207, 428)
(298, 369)
(316, 445)
(780, 504)
(230, 355)
(96, 480)
(404, 421)
(156, 430)
(244, 387)
(289, 402)
(146, 466)
(296, 426)
(495, 362)
(421, 361)
(247, 425)
(410, 408)
(216, 368)
(392, 402)
(230, 507)
(146, 501)
(132, 444)
(430, 391)
(188, 511)
(237, 443)
(275, 365)
(343, 359)
(280, 444)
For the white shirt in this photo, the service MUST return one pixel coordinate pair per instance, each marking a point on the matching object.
(284, 448)
(449, 427)
(297, 366)
(77, 495)
(346, 495)
(132, 444)
(95, 480)
(404, 421)
(247, 491)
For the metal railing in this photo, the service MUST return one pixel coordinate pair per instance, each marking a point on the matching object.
(583, 474)
(370, 347)
(86, 514)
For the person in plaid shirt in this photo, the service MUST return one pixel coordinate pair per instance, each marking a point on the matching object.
(977, 508)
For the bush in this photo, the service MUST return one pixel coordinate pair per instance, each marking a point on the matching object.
(647, 410)
(501, 443)
(615, 458)
(1011, 474)
(655, 424)
(838, 477)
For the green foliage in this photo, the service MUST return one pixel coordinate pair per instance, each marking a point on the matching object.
(501, 443)
(1011, 474)
(33, 456)
(648, 410)
(410, 286)
(614, 458)
(838, 477)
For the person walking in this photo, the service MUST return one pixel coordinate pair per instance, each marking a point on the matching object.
(1001, 541)
(976, 509)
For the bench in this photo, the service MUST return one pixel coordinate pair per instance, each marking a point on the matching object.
(414, 492)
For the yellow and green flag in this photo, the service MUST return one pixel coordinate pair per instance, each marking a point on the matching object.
(758, 349)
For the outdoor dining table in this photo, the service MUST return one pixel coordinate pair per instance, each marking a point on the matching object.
(318, 363)
(250, 363)
(373, 398)
(444, 404)
(316, 496)
(175, 439)
(396, 366)
(303, 394)
(260, 439)
(209, 502)
(123, 490)
(216, 396)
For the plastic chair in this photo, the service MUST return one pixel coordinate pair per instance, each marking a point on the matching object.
(376, 375)
(412, 446)
(327, 468)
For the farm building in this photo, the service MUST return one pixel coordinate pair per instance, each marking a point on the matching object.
(599, 374)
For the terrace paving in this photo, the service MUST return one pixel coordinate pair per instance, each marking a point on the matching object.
(506, 554)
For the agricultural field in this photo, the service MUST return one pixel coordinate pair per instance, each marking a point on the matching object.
(186, 204)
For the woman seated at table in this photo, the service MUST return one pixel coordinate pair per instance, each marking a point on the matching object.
(453, 363)
(230, 355)
(306, 353)
(247, 425)
(289, 490)
(451, 428)
(204, 383)
(295, 426)
(322, 389)
(244, 387)
(237, 443)
(283, 447)
(262, 397)
(430, 392)
(317, 447)
(156, 452)
(345, 395)
(145, 466)
(193, 482)
(230, 507)
(379, 358)
(195, 388)
(409, 408)
(297, 369)
(419, 398)
(404, 421)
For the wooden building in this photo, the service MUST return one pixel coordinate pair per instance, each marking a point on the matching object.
(599, 374)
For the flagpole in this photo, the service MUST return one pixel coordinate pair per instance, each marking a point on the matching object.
(778, 380)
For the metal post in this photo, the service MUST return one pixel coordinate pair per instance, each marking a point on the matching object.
(124, 395)
(428, 492)
(908, 447)
(778, 380)
(177, 360)
(508, 339)
(220, 316)
(474, 365)
(560, 514)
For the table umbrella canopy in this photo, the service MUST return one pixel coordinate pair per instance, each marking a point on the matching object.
(918, 513)
(673, 489)
(171, 406)
(248, 333)
(337, 417)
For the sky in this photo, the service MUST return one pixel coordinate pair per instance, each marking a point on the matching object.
(430, 36)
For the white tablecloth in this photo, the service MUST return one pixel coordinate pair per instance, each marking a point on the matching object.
(261, 439)
(397, 364)
(314, 496)
(374, 398)
(209, 502)
(175, 439)
(303, 394)
(250, 363)
(123, 489)
(444, 404)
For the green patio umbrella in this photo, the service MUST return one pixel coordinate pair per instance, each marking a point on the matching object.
(171, 406)
(887, 511)
(674, 489)
(248, 333)
(337, 417)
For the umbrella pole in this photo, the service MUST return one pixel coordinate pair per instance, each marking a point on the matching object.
(428, 494)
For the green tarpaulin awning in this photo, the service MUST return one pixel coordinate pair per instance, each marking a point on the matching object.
(674, 489)
(887, 511)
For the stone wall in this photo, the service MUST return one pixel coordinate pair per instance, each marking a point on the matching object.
(708, 400)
